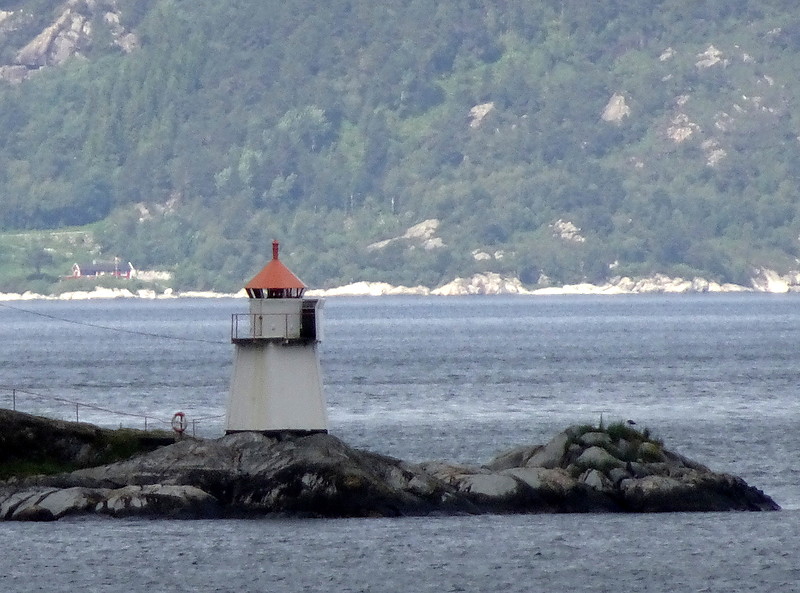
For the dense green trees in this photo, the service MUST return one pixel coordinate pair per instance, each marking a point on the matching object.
(333, 125)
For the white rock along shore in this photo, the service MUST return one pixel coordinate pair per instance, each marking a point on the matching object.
(765, 281)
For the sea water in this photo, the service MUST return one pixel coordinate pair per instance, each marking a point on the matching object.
(459, 379)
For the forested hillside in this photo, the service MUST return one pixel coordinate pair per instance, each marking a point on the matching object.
(553, 140)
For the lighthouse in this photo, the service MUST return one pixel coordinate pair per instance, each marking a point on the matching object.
(277, 383)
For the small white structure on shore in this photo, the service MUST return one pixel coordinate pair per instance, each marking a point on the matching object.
(277, 382)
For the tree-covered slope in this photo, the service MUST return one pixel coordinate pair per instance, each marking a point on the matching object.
(553, 139)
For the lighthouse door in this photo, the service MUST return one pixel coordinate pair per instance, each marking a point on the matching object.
(308, 326)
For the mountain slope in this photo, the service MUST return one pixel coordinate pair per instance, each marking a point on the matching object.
(547, 141)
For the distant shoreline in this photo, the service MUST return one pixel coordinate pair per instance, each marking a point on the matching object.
(479, 284)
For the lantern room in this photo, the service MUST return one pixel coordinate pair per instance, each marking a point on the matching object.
(277, 307)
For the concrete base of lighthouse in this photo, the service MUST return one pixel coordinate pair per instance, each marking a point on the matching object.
(276, 389)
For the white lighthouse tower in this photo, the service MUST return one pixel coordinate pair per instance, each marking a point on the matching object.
(277, 382)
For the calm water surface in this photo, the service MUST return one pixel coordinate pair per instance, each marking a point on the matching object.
(450, 378)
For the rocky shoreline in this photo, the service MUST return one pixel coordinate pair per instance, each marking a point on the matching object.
(765, 281)
(583, 469)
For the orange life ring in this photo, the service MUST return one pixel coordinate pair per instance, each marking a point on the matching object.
(179, 422)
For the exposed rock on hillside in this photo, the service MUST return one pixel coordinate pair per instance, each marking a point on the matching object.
(70, 34)
(616, 109)
(492, 283)
(478, 113)
(711, 57)
(422, 234)
(565, 229)
(771, 281)
(63, 39)
(583, 469)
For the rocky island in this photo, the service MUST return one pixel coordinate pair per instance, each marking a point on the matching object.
(612, 468)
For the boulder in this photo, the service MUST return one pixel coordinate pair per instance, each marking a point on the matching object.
(71, 501)
(159, 500)
(34, 513)
(11, 499)
(516, 457)
(707, 493)
(596, 480)
(489, 486)
(594, 439)
(651, 452)
(536, 478)
(599, 459)
(551, 454)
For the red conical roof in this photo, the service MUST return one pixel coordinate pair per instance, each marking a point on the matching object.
(275, 277)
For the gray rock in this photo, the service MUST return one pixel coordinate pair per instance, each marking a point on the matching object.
(532, 477)
(18, 502)
(158, 499)
(542, 479)
(596, 480)
(34, 513)
(617, 474)
(12, 499)
(13, 74)
(497, 486)
(640, 470)
(706, 492)
(599, 459)
(71, 500)
(594, 439)
(516, 457)
(552, 454)
(556, 491)
(249, 474)
(450, 473)
(676, 459)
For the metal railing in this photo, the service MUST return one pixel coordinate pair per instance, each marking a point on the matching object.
(16, 395)
(265, 326)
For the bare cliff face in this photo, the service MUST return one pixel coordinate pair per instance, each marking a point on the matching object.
(70, 34)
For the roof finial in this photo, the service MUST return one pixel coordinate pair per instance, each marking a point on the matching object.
(275, 246)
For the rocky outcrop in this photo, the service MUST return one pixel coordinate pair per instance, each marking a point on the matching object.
(660, 283)
(771, 281)
(492, 283)
(489, 283)
(616, 109)
(583, 469)
(421, 235)
(70, 34)
(13, 74)
(478, 113)
(66, 37)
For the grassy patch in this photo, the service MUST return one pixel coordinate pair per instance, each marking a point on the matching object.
(627, 442)
(22, 468)
(121, 444)
(620, 430)
(31, 445)
(584, 428)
